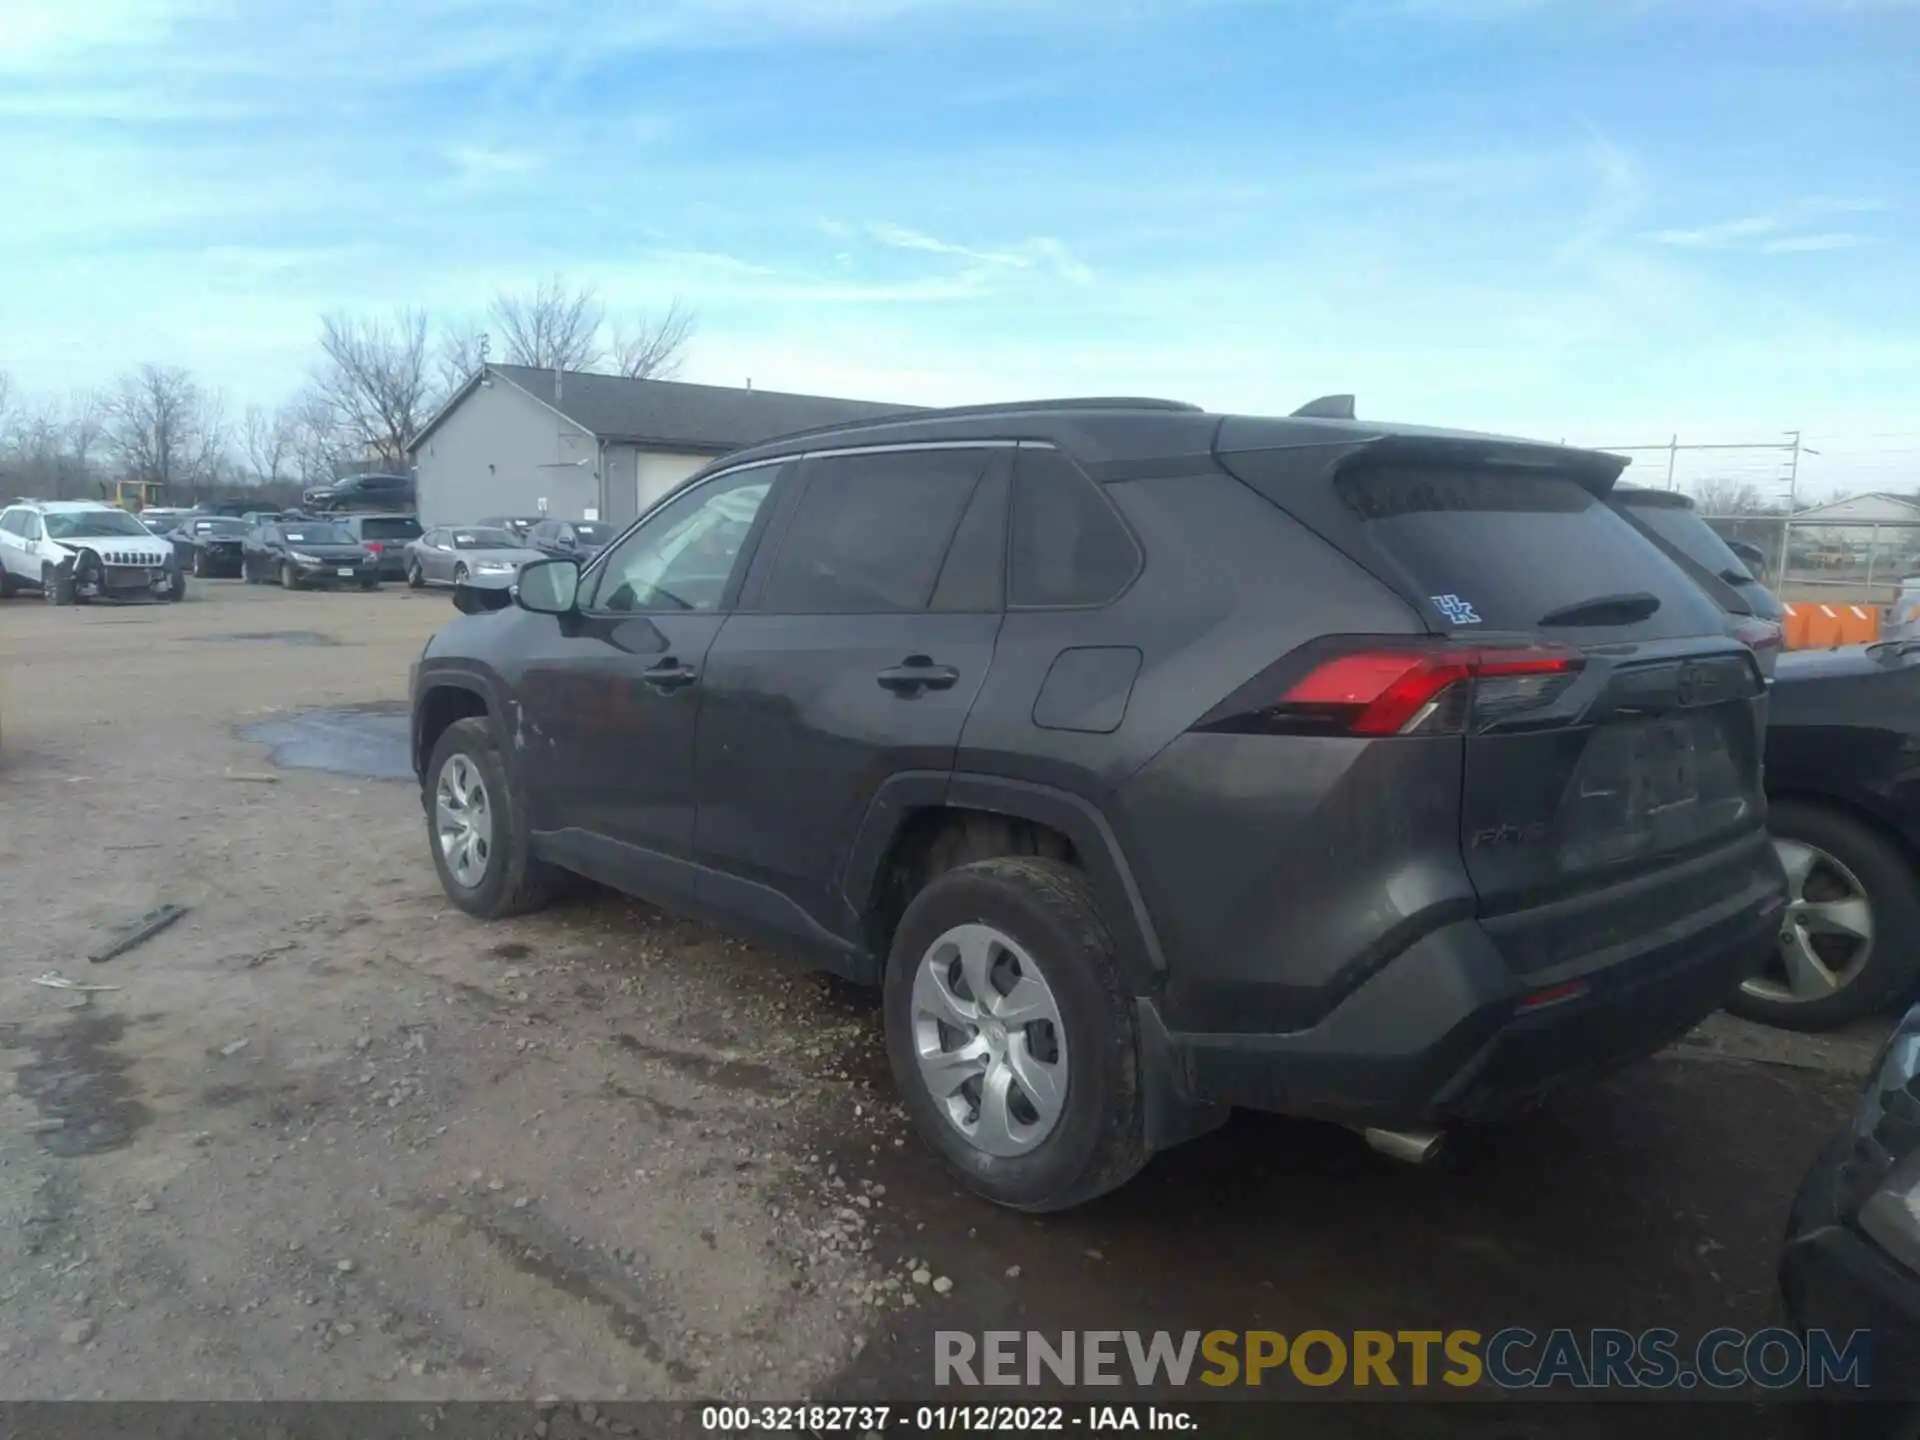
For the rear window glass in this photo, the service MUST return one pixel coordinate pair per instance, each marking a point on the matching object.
(401, 529)
(1501, 549)
(1681, 527)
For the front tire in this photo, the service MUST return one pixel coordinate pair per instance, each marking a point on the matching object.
(8, 585)
(201, 570)
(415, 579)
(176, 586)
(56, 584)
(289, 577)
(1850, 945)
(1030, 1092)
(460, 574)
(477, 828)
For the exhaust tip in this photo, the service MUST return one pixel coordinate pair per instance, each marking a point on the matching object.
(1411, 1147)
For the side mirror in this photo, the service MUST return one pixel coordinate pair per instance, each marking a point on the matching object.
(548, 587)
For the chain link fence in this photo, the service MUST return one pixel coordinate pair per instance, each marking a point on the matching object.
(1855, 562)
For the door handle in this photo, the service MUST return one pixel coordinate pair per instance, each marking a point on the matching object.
(670, 674)
(915, 674)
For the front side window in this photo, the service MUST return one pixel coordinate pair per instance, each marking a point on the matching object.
(683, 556)
(870, 531)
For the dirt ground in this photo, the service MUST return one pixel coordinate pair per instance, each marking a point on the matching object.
(331, 1139)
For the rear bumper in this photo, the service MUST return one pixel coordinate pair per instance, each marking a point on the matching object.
(1445, 1031)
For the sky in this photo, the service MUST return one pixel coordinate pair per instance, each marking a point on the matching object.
(1601, 221)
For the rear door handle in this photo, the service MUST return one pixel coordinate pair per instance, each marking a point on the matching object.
(670, 674)
(915, 674)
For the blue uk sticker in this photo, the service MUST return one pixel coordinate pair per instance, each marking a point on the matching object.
(1455, 610)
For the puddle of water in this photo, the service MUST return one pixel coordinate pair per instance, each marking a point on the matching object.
(78, 1078)
(368, 741)
(284, 637)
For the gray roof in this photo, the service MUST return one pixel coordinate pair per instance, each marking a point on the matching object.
(670, 414)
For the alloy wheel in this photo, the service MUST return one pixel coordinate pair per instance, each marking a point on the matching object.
(990, 1043)
(463, 820)
(1826, 936)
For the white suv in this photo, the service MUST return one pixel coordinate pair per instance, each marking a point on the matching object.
(73, 550)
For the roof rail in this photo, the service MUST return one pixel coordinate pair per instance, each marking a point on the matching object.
(1003, 407)
(1327, 407)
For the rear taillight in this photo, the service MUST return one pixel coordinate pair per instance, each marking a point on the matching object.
(1395, 688)
(374, 545)
(1757, 634)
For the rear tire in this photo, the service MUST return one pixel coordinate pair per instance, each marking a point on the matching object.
(1096, 1140)
(512, 881)
(373, 584)
(1850, 854)
(8, 585)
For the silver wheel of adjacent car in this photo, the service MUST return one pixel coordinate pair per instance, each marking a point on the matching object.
(989, 1040)
(1826, 937)
(463, 820)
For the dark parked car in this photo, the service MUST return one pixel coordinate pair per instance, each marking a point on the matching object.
(1852, 1256)
(300, 553)
(1672, 522)
(387, 537)
(570, 539)
(1843, 787)
(1153, 762)
(362, 492)
(209, 545)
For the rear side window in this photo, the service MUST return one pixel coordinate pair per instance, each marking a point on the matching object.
(1493, 549)
(870, 531)
(1068, 547)
(1681, 527)
(397, 529)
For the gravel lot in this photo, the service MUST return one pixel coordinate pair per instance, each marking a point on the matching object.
(332, 1139)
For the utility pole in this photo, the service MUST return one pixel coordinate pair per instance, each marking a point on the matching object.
(1793, 472)
(1673, 453)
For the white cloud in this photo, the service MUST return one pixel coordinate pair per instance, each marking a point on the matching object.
(1718, 236)
(480, 160)
(1826, 240)
(1040, 251)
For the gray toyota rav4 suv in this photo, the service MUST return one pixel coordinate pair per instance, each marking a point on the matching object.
(1153, 762)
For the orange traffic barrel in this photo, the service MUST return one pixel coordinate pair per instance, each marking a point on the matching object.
(1794, 623)
(1859, 624)
(1824, 627)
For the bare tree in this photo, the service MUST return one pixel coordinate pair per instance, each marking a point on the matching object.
(270, 437)
(166, 430)
(87, 415)
(375, 378)
(1722, 496)
(557, 327)
(652, 348)
(463, 350)
(317, 442)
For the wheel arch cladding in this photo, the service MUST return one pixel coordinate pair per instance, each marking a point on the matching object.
(439, 708)
(909, 810)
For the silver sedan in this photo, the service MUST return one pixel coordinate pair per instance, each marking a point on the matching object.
(466, 555)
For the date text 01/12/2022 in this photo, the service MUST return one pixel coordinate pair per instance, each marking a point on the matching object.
(942, 1419)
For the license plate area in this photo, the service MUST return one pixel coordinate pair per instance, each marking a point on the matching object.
(1646, 787)
(345, 572)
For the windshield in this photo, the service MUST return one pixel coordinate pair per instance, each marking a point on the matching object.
(317, 535)
(484, 540)
(85, 524)
(592, 534)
